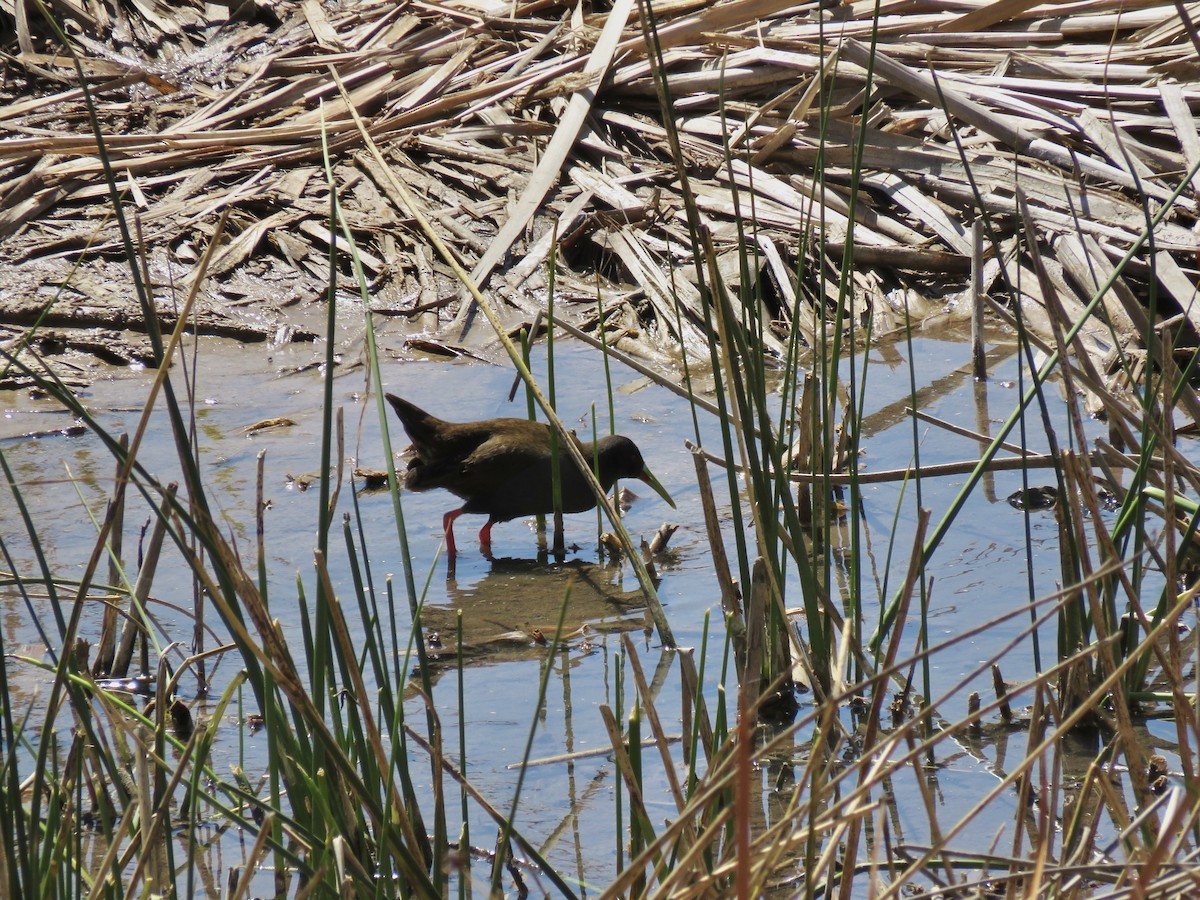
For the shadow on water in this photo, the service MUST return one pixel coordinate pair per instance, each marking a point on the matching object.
(512, 612)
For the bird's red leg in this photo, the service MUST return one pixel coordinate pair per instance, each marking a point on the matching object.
(448, 531)
(485, 538)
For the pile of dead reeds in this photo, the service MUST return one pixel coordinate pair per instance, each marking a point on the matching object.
(889, 129)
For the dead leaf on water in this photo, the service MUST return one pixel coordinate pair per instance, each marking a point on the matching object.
(436, 348)
(301, 482)
(278, 422)
(372, 479)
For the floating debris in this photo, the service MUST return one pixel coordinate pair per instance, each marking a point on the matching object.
(1034, 498)
(266, 424)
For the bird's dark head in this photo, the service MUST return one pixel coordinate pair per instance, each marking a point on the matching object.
(621, 458)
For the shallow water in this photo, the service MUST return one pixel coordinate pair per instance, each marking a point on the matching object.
(981, 569)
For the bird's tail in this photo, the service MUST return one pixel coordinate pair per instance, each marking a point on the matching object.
(419, 424)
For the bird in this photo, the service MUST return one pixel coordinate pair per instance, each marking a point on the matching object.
(502, 468)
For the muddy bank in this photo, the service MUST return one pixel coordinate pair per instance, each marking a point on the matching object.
(1067, 131)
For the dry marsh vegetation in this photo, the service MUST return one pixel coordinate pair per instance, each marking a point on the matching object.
(811, 127)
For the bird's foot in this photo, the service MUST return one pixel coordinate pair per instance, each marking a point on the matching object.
(448, 531)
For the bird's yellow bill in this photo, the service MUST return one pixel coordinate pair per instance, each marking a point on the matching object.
(648, 477)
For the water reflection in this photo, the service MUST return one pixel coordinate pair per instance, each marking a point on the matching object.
(513, 610)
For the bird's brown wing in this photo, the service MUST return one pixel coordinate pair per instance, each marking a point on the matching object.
(470, 458)
(513, 465)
